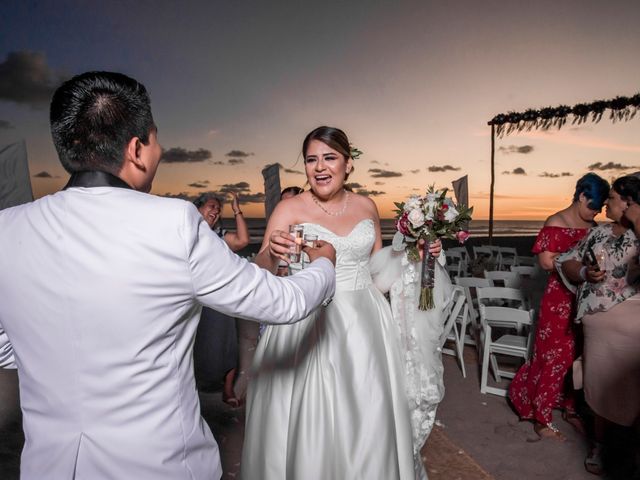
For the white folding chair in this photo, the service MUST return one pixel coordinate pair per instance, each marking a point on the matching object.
(462, 250)
(502, 296)
(524, 270)
(482, 250)
(459, 258)
(508, 257)
(500, 278)
(470, 284)
(456, 264)
(527, 261)
(507, 344)
(457, 307)
(486, 256)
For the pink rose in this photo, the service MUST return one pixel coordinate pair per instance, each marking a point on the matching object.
(462, 236)
(402, 224)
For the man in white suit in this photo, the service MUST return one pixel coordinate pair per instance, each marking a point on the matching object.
(101, 287)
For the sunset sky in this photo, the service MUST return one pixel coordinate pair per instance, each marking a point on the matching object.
(237, 84)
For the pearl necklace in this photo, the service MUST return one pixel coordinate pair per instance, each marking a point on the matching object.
(333, 214)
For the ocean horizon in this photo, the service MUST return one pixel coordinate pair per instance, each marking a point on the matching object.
(477, 228)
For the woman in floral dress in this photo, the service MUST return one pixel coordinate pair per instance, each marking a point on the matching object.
(539, 385)
(608, 305)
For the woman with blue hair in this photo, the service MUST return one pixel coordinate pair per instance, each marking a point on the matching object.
(608, 306)
(539, 386)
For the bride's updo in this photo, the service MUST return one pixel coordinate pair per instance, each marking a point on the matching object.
(332, 137)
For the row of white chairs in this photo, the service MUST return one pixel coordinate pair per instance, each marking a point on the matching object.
(502, 258)
(476, 309)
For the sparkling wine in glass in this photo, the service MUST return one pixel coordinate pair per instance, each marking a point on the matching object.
(295, 250)
(310, 240)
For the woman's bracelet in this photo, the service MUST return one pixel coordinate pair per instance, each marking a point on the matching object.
(239, 212)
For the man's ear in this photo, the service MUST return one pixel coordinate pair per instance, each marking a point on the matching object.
(132, 154)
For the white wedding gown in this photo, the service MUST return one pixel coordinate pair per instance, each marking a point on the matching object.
(327, 398)
(420, 333)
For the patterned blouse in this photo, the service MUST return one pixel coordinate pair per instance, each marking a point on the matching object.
(622, 278)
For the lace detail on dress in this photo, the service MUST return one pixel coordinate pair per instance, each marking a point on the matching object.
(420, 334)
(352, 253)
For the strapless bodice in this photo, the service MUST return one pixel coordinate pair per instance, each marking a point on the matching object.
(352, 253)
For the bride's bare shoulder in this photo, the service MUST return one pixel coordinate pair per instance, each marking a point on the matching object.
(366, 202)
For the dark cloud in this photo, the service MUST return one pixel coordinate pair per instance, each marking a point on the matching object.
(243, 190)
(245, 198)
(609, 166)
(369, 193)
(443, 168)
(181, 195)
(181, 155)
(376, 162)
(524, 149)
(354, 185)
(555, 175)
(378, 173)
(240, 187)
(515, 171)
(218, 162)
(43, 174)
(26, 78)
(202, 184)
(238, 154)
(235, 161)
(417, 170)
(290, 170)
(379, 183)
(4, 125)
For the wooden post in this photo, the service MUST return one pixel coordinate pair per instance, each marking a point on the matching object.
(493, 179)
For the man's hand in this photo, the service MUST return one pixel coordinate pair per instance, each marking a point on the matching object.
(280, 243)
(322, 249)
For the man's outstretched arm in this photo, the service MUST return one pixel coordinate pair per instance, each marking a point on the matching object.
(233, 286)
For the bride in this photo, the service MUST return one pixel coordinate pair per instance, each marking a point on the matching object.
(327, 396)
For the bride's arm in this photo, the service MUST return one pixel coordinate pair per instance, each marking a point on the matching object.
(373, 212)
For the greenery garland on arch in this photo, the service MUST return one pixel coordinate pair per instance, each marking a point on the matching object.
(621, 109)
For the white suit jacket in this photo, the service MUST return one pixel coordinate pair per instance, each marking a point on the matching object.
(100, 295)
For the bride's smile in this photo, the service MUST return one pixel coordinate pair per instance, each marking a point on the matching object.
(327, 170)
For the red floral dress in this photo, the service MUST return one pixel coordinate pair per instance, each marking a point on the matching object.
(539, 385)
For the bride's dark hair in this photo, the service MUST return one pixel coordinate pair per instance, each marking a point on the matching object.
(332, 137)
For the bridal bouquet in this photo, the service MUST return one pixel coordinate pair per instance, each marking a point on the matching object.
(429, 218)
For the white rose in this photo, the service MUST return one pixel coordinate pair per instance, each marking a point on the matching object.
(450, 214)
(412, 203)
(416, 217)
(431, 197)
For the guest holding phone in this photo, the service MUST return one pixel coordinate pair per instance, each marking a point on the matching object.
(603, 269)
